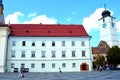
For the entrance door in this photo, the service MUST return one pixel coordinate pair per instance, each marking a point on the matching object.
(84, 66)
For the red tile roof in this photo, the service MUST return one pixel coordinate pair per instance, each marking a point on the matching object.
(58, 30)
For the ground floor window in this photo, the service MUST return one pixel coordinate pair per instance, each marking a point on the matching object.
(43, 65)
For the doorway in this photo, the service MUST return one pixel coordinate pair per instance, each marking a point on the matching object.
(84, 67)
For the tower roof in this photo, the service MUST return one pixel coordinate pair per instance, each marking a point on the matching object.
(105, 13)
(1, 5)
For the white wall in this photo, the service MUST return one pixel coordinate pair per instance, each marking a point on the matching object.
(48, 60)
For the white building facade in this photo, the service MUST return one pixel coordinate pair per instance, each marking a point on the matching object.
(49, 53)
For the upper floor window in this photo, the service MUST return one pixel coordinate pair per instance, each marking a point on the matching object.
(43, 43)
(43, 54)
(53, 43)
(82, 43)
(23, 43)
(73, 43)
(63, 53)
(73, 53)
(33, 43)
(23, 54)
(13, 53)
(63, 43)
(32, 53)
(14, 43)
(53, 53)
(83, 53)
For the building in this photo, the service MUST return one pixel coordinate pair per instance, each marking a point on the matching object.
(101, 49)
(108, 31)
(44, 47)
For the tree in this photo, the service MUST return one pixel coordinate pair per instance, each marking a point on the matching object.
(113, 55)
(99, 60)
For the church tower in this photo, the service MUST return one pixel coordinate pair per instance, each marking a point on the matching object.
(108, 31)
(4, 32)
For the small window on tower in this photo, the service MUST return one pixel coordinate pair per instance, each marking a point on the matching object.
(112, 24)
(103, 20)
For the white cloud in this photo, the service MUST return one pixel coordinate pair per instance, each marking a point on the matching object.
(13, 18)
(32, 14)
(41, 19)
(91, 22)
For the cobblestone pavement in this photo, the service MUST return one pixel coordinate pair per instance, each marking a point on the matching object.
(94, 75)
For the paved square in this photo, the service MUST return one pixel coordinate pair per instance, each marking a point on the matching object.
(94, 75)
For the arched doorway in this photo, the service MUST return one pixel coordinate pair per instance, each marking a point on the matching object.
(84, 67)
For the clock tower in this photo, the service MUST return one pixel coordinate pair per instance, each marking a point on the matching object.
(108, 31)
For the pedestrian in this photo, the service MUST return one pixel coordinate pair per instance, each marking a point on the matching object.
(100, 68)
(60, 70)
(22, 72)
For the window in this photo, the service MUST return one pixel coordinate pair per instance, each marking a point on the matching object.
(23, 43)
(12, 65)
(73, 53)
(22, 65)
(53, 43)
(103, 20)
(53, 65)
(112, 24)
(14, 43)
(33, 43)
(63, 54)
(32, 53)
(73, 43)
(83, 53)
(63, 65)
(73, 65)
(43, 54)
(53, 53)
(12, 53)
(23, 54)
(43, 65)
(82, 43)
(43, 43)
(32, 65)
(63, 43)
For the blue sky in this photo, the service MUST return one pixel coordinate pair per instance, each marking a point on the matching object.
(86, 12)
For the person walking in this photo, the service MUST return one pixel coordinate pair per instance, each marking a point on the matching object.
(22, 72)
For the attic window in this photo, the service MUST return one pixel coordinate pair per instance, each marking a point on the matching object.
(70, 31)
(48, 31)
(27, 31)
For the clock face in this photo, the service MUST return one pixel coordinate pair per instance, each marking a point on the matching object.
(104, 25)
